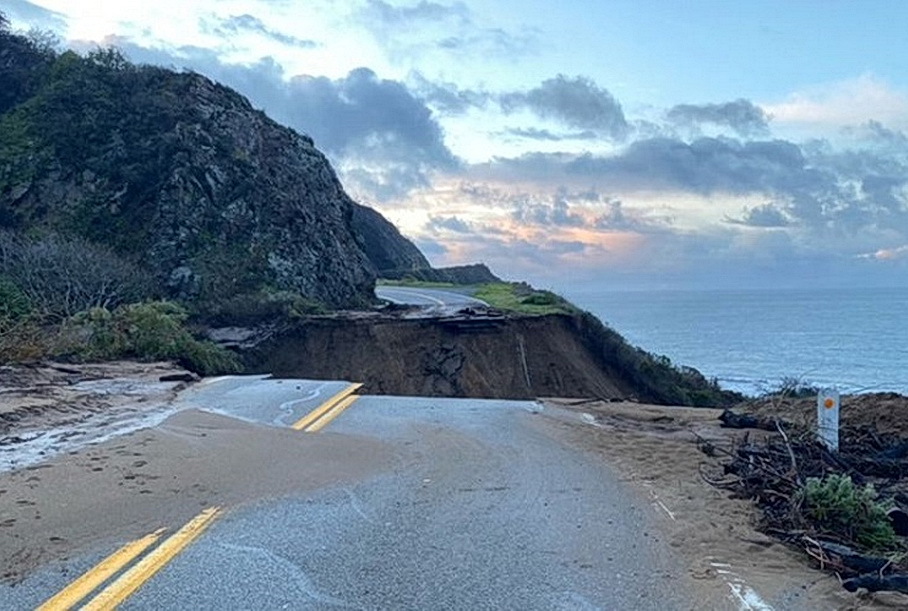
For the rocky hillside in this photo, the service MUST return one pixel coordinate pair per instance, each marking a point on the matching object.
(181, 176)
(381, 241)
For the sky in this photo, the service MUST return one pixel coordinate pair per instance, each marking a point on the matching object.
(577, 145)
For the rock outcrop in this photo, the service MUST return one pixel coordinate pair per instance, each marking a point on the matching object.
(184, 177)
(388, 251)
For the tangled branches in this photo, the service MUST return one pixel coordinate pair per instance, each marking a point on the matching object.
(840, 507)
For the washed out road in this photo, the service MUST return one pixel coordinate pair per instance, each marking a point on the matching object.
(446, 504)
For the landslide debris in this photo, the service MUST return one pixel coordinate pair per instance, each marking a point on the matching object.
(845, 509)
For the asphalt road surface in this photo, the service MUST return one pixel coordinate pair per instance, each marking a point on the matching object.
(482, 507)
(425, 296)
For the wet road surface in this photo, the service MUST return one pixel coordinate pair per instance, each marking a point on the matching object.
(482, 508)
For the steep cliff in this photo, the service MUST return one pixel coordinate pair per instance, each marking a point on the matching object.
(386, 248)
(476, 355)
(183, 177)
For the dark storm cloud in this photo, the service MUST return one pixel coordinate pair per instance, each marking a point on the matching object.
(237, 24)
(37, 16)
(383, 138)
(742, 116)
(576, 102)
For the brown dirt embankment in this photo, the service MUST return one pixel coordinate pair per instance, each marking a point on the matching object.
(477, 355)
(505, 358)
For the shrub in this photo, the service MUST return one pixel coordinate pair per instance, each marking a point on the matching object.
(14, 305)
(61, 276)
(148, 331)
(835, 504)
(263, 305)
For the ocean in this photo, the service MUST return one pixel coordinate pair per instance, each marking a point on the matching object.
(855, 340)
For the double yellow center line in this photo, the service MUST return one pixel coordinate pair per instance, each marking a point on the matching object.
(131, 579)
(319, 418)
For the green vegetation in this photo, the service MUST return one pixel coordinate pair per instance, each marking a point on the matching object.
(152, 330)
(835, 504)
(656, 378)
(521, 297)
(259, 306)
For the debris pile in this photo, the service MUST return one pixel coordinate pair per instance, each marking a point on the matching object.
(844, 508)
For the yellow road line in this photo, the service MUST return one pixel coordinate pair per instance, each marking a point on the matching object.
(322, 409)
(69, 596)
(331, 414)
(132, 580)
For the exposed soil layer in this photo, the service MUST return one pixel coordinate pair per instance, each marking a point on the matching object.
(515, 358)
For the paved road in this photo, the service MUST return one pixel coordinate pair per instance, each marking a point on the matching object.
(482, 508)
(425, 296)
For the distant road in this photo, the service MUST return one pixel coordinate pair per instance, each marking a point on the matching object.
(425, 297)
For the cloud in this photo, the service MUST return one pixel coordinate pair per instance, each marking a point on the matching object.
(409, 32)
(383, 15)
(448, 223)
(533, 133)
(445, 97)
(576, 102)
(850, 102)
(553, 213)
(34, 15)
(237, 24)
(887, 254)
(767, 215)
(742, 116)
(831, 194)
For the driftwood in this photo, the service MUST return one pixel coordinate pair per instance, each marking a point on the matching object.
(843, 558)
(731, 420)
(772, 470)
(874, 582)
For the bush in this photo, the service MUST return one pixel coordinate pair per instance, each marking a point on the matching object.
(264, 305)
(152, 330)
(835, 504)
(14, 305)
(62, 276)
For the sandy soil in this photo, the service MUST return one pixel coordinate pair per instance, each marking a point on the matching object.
(161, 478)
(48, 395)
(654, 448)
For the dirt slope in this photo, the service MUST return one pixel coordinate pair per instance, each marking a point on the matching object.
(523, 357)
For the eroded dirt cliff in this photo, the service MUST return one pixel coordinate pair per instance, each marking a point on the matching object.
(478, 356)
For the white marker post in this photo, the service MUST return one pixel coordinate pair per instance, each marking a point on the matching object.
(828, 418)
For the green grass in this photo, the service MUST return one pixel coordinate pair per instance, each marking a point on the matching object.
(521, 297)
